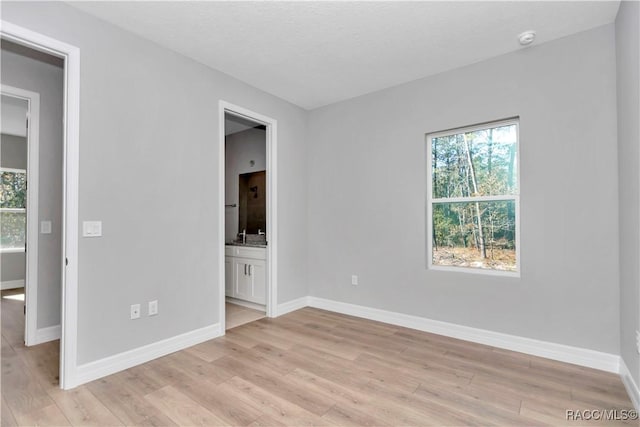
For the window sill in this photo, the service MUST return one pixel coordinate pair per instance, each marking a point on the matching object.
(471, 270)
(12, 250)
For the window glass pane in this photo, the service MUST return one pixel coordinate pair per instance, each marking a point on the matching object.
(12, 229)
(478, 163)
(13, 189)
(475, 234)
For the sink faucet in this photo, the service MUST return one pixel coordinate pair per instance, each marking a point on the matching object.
(244, 236)
(260, 232)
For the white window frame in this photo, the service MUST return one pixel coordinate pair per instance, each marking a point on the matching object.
(430, 201)
(23, 210)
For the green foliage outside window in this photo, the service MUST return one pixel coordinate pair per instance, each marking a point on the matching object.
(13, 195)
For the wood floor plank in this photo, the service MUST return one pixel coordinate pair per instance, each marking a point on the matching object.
(419, 372)
(353, 405)
(236, 315)
(265, 421)
(310, 367)
(275, 407)
(277, 384)
(523, 387)
(43, 362)
(262, 334)
(414, 407)
(82, 408)
(349, 416)
(455, 399)
(600, 399)
(330, 389)
(495, 397)
(234, 411)
(140, 379)
(22, 391)
(315, 337)
(323, 364)
(50, 415)
(130, 407)
(6, 417)
(198, 369)
(241, 339)
(181, 409)
(254, 356)
(206, 351)
(338, 319)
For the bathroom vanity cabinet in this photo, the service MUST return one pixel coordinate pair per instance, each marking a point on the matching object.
(245, 273)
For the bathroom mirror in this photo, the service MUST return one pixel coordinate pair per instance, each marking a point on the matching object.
(252, 202)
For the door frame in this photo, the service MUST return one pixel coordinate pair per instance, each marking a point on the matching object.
(31, 254)
(70, 224)
(272, 222)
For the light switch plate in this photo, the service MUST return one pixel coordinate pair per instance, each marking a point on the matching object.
(153, 307)
(45, 227)
(92, 228)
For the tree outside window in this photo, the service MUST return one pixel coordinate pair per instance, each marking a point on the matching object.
(13, 219)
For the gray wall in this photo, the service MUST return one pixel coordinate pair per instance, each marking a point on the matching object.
(47, 80)
(148, 158)
(13, 154)
(367, 195)
(628, 59)
(13, 113)
(13, 267)
(241, 147)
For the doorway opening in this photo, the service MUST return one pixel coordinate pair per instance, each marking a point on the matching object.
(247, 177)
(19, 216)
(31, 203)
(51, 218)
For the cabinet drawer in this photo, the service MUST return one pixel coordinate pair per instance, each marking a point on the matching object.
(245, 252)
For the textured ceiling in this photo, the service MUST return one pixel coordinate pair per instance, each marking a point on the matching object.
(317, 53)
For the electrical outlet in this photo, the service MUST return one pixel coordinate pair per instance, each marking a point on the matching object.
(354, 280)
(135, 311)
(638, 341)
(153, 308)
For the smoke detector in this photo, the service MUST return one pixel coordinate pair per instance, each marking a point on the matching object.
(527, 38)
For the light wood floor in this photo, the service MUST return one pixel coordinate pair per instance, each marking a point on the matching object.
(310, 367)
(236, 315)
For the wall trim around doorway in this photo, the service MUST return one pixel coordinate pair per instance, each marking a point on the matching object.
(272, 222)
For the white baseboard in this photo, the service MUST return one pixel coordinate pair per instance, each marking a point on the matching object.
(292, 305)
(119, 362)
(564, 353)
(247, 304)
(632, 388)
(11, 284)
(47, 334)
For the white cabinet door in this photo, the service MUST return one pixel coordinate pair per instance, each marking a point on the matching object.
(250, 280)
(258, 282)
(242, 279)
(228, 276)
